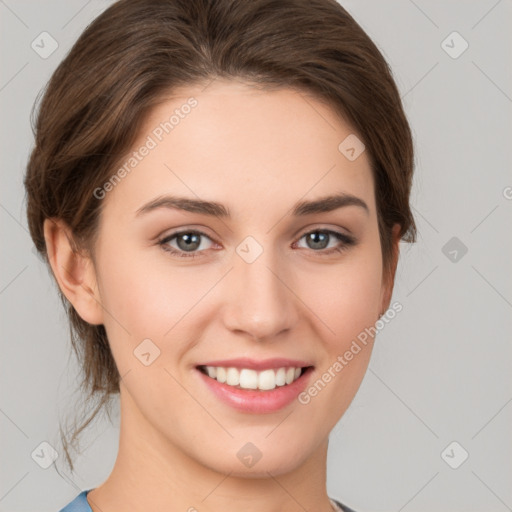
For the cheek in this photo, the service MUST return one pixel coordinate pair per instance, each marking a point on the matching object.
(149, 298)
(345, 297)
(348, 302)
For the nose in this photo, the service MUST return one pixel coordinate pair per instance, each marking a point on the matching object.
(260, 299)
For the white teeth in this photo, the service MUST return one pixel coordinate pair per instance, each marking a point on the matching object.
(281, 377)
(221, 374)
(248, 378)
(267, 379)
(252, 379)
(232, 377)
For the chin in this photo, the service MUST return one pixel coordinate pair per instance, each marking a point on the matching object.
(271, 460)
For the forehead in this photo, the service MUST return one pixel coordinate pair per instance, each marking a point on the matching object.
(239, 144)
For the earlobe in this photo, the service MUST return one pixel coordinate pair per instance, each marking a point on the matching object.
(73, 271)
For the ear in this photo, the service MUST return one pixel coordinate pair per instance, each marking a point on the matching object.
(389, 281)
(73, 271)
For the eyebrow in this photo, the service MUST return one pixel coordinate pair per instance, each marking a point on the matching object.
(301, 208)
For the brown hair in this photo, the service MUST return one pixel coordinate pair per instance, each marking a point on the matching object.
(138, 51)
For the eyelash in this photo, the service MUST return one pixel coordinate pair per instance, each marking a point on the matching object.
(345, 239)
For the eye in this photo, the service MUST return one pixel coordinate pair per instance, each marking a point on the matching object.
(186, 241)
(319, 240)
(189, 244)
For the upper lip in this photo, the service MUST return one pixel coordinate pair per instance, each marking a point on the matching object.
(254, 364)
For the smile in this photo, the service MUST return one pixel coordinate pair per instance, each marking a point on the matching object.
(246, 378)
(267, 387)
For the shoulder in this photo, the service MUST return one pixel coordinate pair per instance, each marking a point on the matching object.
(79, 504)
(344, 508)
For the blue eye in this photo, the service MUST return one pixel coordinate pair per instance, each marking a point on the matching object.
(189, 243)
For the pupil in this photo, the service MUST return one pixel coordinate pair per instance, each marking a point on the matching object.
(318, 238)
(190, 240)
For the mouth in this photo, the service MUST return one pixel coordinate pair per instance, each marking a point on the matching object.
(263, 387)
(250, 379)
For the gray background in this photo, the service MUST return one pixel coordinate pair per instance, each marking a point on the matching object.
(441, 369)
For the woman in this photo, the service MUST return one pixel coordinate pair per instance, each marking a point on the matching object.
(220, 188)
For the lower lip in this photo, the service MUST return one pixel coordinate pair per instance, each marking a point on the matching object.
(254, 401)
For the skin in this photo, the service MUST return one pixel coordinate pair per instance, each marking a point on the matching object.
(258, 153)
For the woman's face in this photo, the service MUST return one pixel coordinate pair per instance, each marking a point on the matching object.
(259, 277)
